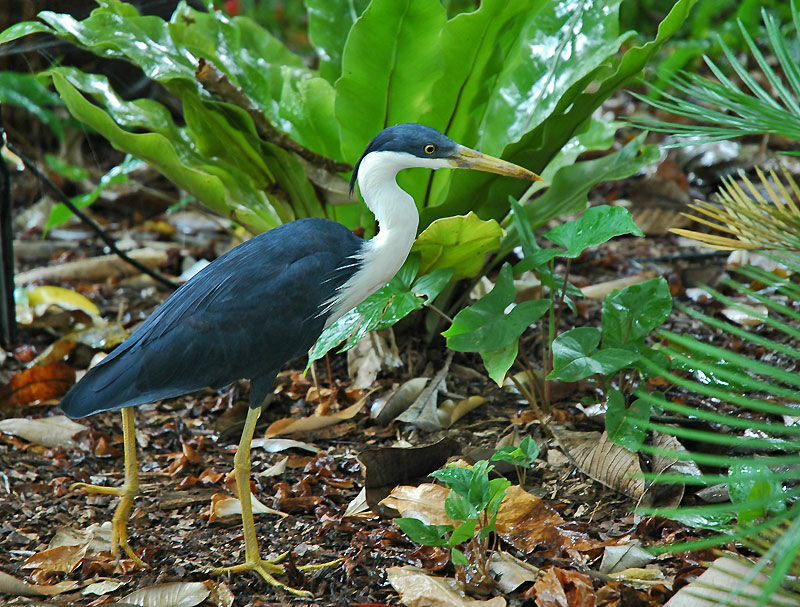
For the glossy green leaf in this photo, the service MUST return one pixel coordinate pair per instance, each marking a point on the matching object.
(22, 29)
(751, 482)
(576, 357)
(486, 326)
(383, 308)
(626, 426)
(425, 535)
(28, 92)
(458, 557)
(498, 362)
(597, 225)
(570, 101)
(329, 23)
(459, 242)
(308, 104)
(391, 62)
(630, 314)
(463, 533)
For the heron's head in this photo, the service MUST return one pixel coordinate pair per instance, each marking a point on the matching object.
(409, 145)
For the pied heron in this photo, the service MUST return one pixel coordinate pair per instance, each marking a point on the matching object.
(262, 304)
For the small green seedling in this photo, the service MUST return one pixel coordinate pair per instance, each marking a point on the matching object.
(521, 457)
(473, 501)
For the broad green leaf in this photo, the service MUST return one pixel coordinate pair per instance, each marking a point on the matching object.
(569, 189)
(751, 482)
(391, 62)
(626, 426)
(458, 557)
(329, 23)
(308, 104)
(459, 242)
(630, 314)
(596, 226)
(575, 356)
(425, 535)
(460, 508)
(486, 326)
(463, 533)
(498, 362)
(575, 99)
(22, 29)
(383, 308)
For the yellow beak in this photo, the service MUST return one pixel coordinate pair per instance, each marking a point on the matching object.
(467, 158)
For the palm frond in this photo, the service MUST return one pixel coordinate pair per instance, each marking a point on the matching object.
(740, 412)
(766, 218)
(723, 109)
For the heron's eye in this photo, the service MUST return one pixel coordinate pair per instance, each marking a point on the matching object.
(430, 148)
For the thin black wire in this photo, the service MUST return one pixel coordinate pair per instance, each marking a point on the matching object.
(101, 233)
(8, 316)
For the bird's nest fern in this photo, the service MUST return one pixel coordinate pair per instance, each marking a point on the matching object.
(737, 405)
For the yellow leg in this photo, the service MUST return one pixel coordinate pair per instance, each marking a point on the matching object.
(252, 555)
(126, 493)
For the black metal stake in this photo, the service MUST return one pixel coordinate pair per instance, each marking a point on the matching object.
(8, 316)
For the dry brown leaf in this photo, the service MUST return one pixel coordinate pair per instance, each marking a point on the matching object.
(15, 586)
(525, 521)
(747, 316)
(56, 431)
(276, 445)
(460, 409)
(221, 595)
(511, 572)
(624, 556)
(103, 587)
(600, 290)
(385, 409)
(291, 425)
(96, 537)
(564, 588)
(94, 269)
(418, 589)
(39, 383)
(374, 352)
(425, 502)
(172, 594)
(223, 506)
(605, 462)
(717, 584)
(64, 559)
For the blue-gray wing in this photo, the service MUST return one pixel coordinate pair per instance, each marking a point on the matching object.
(243, 316)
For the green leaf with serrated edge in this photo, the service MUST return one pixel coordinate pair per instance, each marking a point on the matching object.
(463, 533)
(383, 308)
(630, 314)
(329, 23)
(485, 326)
(457, 242)
(426, 535)
(626, 427)
(597, 225)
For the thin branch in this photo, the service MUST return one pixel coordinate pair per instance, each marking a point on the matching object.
(101, 233)
(217, 83)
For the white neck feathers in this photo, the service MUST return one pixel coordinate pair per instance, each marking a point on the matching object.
(397, 217)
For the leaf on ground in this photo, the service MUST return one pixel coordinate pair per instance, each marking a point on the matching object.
(38, 384)
(526, 521)
(56, 431)
(276, 445)
(96, 537)
(64, 559)
(15, 586)
(63, 298)
(223, 506)
(716, 585)
(418, 589)
(605, 462)
(510, 571)
(384, 410)
(669, 496)
(171, 594)
(624, 556)
(424, 502)
(747, 316)
(357, 505)
(103, 587)
(292, 425)
(373, 353)
(423, 412)
(559, 587)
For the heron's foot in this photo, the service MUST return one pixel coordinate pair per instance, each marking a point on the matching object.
(119, 524)
(269, 569)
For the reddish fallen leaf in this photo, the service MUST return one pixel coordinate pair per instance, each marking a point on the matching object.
(209, 475)
(562, 588)
(38, 384)
(64, 559)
